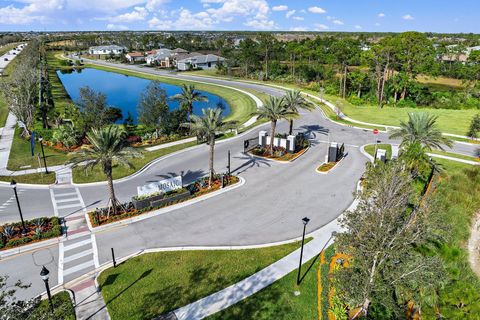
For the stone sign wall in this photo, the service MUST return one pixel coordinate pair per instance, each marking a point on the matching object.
(160, 186)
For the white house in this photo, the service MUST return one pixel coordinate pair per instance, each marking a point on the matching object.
(208, 61)
(110, 49)
(160, 57)
(133, 57)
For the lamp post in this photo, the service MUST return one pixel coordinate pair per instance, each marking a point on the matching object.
(44, 275)
(40, 139)
(228, 164)
(13, 184)
(305, 222)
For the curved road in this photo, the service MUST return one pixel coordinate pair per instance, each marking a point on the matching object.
(268, 208)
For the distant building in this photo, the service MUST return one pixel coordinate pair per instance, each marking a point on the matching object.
(208, 61)
(133, 57)
(159, 57)
(453, 56)
(104, 50)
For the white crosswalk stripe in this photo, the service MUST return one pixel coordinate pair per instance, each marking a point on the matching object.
(78, 267)
(77, 244)
(78, 255)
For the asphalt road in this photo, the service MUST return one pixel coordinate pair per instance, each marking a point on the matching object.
(268, 208)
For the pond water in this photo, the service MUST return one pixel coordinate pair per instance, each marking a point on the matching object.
(124, 91)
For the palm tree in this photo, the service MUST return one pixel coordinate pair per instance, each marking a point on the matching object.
(274, 109)
(108, 146)
(208, 126)
(421, 129)
(188, 96)
(294, 101)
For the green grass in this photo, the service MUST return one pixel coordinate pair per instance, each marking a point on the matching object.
(242, 106)
(278, 301)
(370, 149)
(21, 156)
(153, 284)
(62, 306)
(96, 174)
(458, 197)
(7, 47)
(454, 155)
(31, 178)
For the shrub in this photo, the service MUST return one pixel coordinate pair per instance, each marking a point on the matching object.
(66, 135)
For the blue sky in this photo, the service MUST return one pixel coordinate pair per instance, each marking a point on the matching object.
(299, 15)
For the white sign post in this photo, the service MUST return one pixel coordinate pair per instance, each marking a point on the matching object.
(160, 186)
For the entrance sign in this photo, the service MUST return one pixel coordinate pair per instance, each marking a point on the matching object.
(160, 186)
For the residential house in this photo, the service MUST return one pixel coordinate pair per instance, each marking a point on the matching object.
(104, 50)
(134, 57)
(159, 57)
(208, 61)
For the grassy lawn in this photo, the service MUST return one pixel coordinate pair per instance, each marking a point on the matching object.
(370, 149)
(21, 156)
(35, 178)
(62, 306)
(242, 106)
(278, 301)
(7, 47)
(82, 176)
(156, 283)
(454, 155)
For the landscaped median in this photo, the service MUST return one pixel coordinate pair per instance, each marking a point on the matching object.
(282, 151)
(154, 284)
(40, 229)
(141, 205)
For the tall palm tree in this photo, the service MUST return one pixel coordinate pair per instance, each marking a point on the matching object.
(208, 125)
(421, 128)
(274, 109)
(294, 101)
(108, 146)
(188, 96)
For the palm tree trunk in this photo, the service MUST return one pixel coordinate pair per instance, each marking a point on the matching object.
(211, 159)
(273, 126)
(290, 131)
(345, 82)
(107, 169)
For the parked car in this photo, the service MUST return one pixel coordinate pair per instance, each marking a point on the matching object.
(5, 59)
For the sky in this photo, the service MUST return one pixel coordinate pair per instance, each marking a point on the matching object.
(271, 15)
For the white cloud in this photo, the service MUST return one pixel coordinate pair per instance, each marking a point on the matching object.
(408, 17)
(112, 26)
(138, 14)
(338, 22)
(232, 8)
(290, 13)
(155, 5)
(298, 18)
(280, 8)
(33, 11)
(298, 29)
(377, 24)
(358, 27)
(260, 24)
(381, 15)
(316, 10)
(158, 24)
(319, 27)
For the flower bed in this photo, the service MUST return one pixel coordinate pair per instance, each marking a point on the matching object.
(37, 230)
(279, 153)
(193, 190)
(327, 166)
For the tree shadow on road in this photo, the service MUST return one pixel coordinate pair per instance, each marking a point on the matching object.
(250, 162)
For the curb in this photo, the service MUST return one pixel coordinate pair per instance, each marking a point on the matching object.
(164, 210)
(280, 161)
(34, 246)
(333, 168)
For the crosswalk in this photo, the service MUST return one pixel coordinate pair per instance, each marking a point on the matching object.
(10, 201)
(77, 253)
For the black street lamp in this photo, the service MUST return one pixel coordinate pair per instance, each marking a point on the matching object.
(228, 164)
(40, 139)
(305, 222)
(13, 184)
(44, 275)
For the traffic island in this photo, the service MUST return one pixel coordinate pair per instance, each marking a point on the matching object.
(16, 234)
(335, 155)
(148, 202)
(286, 148)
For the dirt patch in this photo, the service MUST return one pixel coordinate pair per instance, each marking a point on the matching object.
(474, 245)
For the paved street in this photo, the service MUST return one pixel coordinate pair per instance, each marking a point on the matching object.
(268, 208)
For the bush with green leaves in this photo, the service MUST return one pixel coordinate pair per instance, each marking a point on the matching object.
(66, 135)
(474, 127)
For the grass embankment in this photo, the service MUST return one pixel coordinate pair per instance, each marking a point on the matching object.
(241, 105)
(62, 306)
(96, 174)
(458, 196)
(278, 300)
(5, 48)
(156, 283)
(455, 155)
